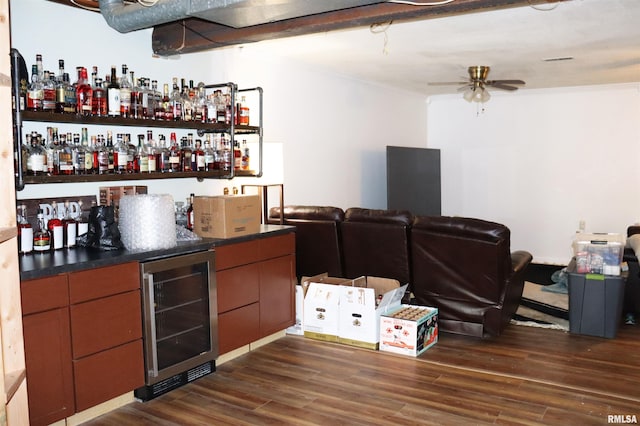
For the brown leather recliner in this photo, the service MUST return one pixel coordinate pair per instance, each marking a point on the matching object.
(317, 238)
(376, 243)
(464, 267)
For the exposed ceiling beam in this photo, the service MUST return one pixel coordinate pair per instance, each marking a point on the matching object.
(195, 35)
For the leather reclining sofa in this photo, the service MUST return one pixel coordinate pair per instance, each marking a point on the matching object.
(462, 266)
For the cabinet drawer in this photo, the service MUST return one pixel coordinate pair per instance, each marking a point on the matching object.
(100, 282)
(104, 323)
(44, 294)
(238, 327)
(108, 374)
(238, 287)
(237, 254)
(277, 246)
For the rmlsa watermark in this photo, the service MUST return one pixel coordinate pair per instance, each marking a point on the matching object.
(622, 418)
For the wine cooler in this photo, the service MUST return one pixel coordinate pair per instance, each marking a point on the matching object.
(179, 320)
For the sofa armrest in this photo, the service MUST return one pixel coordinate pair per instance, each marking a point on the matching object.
(520, 259)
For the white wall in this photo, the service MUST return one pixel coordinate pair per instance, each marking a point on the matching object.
(325, 135)
(540, 161)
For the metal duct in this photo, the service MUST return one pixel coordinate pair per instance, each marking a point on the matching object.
(232, 13)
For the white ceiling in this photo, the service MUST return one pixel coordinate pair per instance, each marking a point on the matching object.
(602, 37)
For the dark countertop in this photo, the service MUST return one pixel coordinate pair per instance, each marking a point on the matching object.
(38, 265)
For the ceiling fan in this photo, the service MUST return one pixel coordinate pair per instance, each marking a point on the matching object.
(475, 90)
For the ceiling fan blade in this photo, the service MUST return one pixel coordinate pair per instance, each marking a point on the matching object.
(502, 86)
(492, 82)
(449, 83)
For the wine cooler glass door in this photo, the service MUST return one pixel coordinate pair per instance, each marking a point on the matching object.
(180, 314)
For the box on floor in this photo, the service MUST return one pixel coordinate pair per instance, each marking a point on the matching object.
(409, 330)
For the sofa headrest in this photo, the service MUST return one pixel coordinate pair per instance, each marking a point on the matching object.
(309, 213)
(463, 227)
(399, 217)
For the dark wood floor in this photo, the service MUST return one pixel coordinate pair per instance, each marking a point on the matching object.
(527, 376)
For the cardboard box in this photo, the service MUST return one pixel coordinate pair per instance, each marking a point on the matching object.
(226, 216)
(361, 308)
(296, 329)
(409, 330)
(321, 306)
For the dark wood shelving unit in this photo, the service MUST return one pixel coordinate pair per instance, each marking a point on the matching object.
(199, 127)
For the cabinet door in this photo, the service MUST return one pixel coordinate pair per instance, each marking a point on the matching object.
(47, 344)
(101, 282)
(277, 294)
(108, 374)
(237, 287)
(104, 323)
(238, 327)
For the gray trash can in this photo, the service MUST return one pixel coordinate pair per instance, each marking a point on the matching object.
(595, 304)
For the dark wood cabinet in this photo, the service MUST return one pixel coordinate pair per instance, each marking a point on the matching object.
(256, 286)
(83, 339)
(47, 341)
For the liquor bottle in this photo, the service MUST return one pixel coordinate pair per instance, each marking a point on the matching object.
(54, 225)
(79, 156)
(84, 93)
(49, 93)
(35, 91)
(217, 151)
(88, 151)
(221, 109)
(166, 103)
(136, 98)
(163, 157)
(25, 231)
(70, 226)
(209, 155)
(187, 101)
(198, 155)
(110, 151)
(151, 152)
(99, 106)
(175, 158)
(64, 159)
(41, 236)
(133, 162)
(95, 154)
(113, 94)
(102, 156)
(60, 89)
(226, 162)
(185, 153)
(147, 101)
(237, 156)
(245, 156)
(190, 214)
(176, 101)
(199, 104)
(37, 156)
(70, 99)
(125, 93)
(143, 155)
(53, 149)
(158, 110)
(120, 155)
(243, 112)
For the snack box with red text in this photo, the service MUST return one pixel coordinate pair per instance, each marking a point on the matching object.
(409, 330)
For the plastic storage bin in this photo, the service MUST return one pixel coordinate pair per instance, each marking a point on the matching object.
(595, 304)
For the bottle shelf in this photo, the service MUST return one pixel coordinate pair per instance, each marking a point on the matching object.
(216, 174)
(49, 117)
